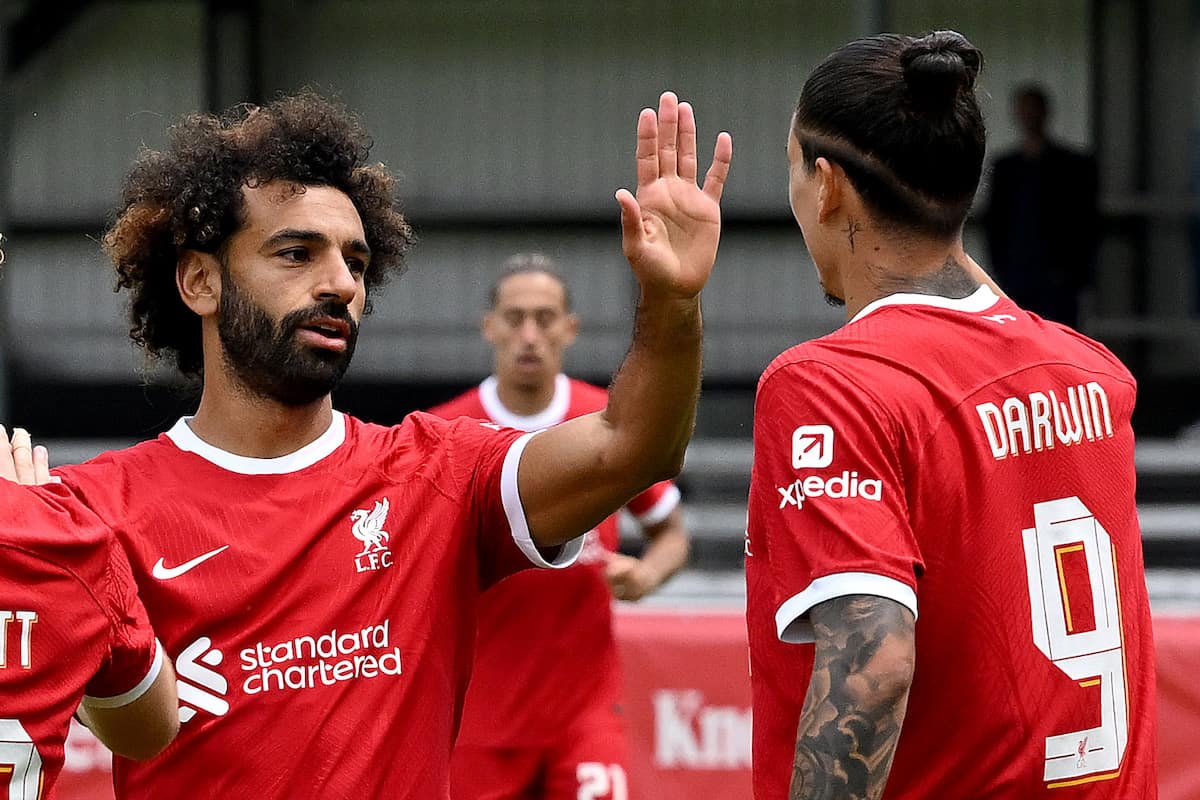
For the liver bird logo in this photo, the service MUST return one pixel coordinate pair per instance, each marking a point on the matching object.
(368, 526)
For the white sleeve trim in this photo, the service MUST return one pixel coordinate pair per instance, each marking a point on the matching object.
(515, 511)
(134, 693)
(794, 628)
(660, 510)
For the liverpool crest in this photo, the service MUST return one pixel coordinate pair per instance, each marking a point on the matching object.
(368, 529)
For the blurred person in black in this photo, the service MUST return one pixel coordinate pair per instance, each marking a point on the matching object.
(1042, 221)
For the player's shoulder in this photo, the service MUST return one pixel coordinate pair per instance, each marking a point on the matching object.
(466, 404)
(122, 476)
(53, 524)
(420, 435)
(444, 454)
(829, 363)
(113, 464)
(1086, 352)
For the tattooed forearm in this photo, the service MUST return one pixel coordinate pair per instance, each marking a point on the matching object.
(856, 700)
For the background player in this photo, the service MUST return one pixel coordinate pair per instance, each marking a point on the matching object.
(945, 453)
(71, 630)
(523, 736)
(318, 576)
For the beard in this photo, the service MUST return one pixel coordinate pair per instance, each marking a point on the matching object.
(265, 356)
(834, 300)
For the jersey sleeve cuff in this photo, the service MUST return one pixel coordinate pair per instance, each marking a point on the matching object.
(790, 621)
(515, 511)
(142, 687)
(661, 509)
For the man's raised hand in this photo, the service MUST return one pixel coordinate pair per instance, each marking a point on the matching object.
(671, 228)
(21, 462)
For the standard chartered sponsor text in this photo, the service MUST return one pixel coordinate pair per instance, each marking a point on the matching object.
(307, 662)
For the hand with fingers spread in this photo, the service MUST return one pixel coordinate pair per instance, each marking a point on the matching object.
(21, 462)
(672, 226)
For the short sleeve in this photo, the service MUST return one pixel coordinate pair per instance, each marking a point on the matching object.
(506, 542)
(135, 656)
(827, 495)
(655, 504)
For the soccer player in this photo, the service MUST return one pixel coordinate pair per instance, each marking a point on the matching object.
(944, 454)
(71, 629)
(522, 735)
(317, 578)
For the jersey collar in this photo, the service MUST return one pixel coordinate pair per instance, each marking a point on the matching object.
(186, 440)
(554, 413)
(981, 299)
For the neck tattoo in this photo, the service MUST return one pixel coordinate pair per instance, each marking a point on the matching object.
(852, 227)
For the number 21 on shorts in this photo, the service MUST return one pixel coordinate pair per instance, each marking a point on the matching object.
(1066, 529)
(598, 780)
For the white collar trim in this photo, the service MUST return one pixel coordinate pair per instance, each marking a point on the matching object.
(556, 412)
(981, 299)
(186, 440)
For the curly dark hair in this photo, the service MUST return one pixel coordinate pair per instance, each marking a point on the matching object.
(190, 198)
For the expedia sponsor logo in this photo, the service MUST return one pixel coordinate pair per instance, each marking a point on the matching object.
(308, 662)
(1043, 420)
(690, 733)
(812, 447)
(846, 485)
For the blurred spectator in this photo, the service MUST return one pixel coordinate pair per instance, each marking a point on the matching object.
(1042, 220)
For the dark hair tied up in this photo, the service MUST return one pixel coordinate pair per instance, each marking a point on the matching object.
(938, 67)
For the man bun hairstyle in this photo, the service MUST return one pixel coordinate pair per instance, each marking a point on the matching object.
(938, 68)
(899, 115)
(189, 197)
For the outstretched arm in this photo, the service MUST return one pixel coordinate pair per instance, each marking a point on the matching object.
(856, 700)
(574, 475)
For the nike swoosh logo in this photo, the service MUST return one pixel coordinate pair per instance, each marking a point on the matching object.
(165, 573)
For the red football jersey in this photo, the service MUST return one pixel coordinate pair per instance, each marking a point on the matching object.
(71, 629)
(536, 628)
(320, 606)
(974, 463)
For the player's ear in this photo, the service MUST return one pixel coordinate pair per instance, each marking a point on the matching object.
(830, 184)
(572, 330)
(487, 326)
(198, 278)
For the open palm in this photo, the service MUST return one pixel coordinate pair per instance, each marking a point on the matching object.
(672, 226)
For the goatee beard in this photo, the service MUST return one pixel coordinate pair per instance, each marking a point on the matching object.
(267, 359)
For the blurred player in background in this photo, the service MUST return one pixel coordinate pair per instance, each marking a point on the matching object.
(317, 577)
(524, 736)
(1042, 220)
(72, 630)
(945, 453)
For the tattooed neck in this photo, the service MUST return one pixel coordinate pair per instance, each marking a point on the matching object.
(949, 280)
(852, 228)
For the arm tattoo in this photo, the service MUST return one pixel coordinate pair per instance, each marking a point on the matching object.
(852, 227)
(855, 705)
